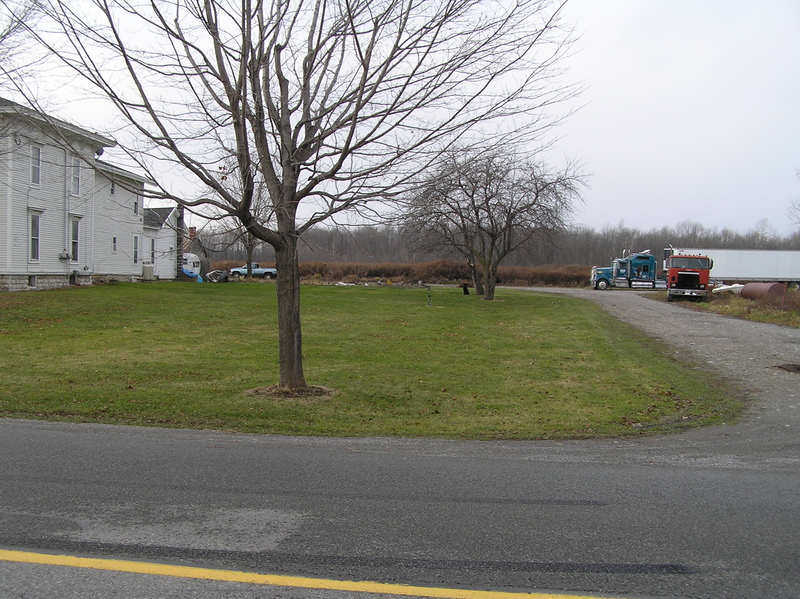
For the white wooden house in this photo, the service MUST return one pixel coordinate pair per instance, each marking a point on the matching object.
(161, 227)
(66, 217)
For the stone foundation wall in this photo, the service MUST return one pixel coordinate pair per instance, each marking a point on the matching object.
(41, 282)
(33, 282)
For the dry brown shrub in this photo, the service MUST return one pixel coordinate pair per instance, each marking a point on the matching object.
(441, 271)
(789, 301)
(555, 275)
(225, 264)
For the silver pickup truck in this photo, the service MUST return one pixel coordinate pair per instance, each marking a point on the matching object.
(256, 271)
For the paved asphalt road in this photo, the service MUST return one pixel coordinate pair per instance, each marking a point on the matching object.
(713, 513)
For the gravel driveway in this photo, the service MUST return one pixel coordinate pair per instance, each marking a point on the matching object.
(746, 353)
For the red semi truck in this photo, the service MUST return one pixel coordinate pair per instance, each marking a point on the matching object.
(688, 275)
(748, 266)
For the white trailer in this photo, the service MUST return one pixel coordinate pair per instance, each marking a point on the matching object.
(191, 265)
(743, 266)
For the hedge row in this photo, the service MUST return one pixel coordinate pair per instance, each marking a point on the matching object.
(442, 271)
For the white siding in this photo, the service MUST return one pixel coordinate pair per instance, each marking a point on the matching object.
(6, 170)
(166, 238)
(115, 217)
(47, 198)
(102, 215)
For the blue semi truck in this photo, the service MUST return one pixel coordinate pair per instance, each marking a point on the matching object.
(634, 270)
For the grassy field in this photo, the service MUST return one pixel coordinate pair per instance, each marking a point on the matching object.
(525, 366)
(783, 311)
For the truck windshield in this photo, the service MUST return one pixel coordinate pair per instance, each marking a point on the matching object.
(688, 262)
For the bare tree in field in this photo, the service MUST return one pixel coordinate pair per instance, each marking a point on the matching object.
(486, 206)
(333, 105)
(794, 208)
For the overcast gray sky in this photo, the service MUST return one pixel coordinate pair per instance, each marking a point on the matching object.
(691, 111)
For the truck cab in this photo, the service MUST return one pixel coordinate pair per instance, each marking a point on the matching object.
(687, 275)
(634, 270)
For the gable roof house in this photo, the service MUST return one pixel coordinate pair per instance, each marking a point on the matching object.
(161, 238)
(66, 217)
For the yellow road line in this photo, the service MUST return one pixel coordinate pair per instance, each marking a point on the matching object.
(116, 565)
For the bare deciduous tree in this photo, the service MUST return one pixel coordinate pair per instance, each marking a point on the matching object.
(794, 208)
(333, 104)
(487, 206)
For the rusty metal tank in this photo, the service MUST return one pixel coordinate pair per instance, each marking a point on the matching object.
(760, 290)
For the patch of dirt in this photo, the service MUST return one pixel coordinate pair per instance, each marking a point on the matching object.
(279, 393)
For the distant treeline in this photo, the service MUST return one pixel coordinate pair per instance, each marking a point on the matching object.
(575, 246)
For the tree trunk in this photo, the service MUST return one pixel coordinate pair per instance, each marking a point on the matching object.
(490, 281)
(476, 278)
(290, 338)
(249, 258)
(488, 291)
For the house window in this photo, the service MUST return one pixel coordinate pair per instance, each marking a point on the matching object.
(76, 176)
(152, 251)
(35, 226)
(113, 188)
(74, 238)
(114, 245)
(136, 204)
(36, 165)
(135, 249)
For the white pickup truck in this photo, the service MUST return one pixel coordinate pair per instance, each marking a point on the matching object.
(256, 271)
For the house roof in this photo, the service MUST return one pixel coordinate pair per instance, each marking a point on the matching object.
(117, 172)
(63, 127)
(100, 142)
(154, 218)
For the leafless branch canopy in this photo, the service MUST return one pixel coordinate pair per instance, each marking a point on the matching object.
(328, 103)
(487, 205)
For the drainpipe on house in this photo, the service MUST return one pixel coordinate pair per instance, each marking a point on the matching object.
(179, 244)
(66, 254)
(88, 267)
(9, 157)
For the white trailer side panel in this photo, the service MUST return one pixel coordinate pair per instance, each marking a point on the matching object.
(751, 265)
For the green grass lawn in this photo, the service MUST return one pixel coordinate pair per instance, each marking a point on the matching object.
(524, 366)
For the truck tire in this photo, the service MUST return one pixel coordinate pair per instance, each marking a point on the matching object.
(236, 276)
(601, 285)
